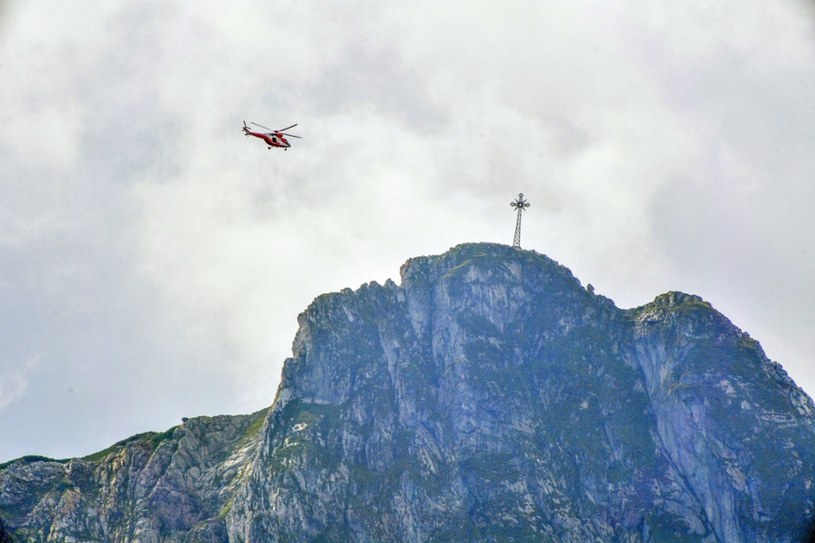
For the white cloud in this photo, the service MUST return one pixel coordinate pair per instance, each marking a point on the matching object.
(662, 147)
(16, 380)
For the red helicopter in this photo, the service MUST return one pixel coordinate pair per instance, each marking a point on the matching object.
(275, 138)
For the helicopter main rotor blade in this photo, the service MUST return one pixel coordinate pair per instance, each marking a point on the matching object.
(288, 127)
(260, 125)
(291, 135)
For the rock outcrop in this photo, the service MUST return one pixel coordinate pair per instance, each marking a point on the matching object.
(149, 488)
(489, 397)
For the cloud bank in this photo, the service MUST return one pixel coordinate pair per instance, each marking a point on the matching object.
(153, 260)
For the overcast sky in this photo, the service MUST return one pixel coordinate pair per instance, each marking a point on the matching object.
(153, 260)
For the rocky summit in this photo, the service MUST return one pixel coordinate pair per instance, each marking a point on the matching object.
(488, 397)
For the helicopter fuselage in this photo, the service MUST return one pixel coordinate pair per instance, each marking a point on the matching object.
(272, 139)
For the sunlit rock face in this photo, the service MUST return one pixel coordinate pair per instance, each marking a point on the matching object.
(174, 486)
(489, 397)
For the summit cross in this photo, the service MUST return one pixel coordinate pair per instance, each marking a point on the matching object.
(520, 204)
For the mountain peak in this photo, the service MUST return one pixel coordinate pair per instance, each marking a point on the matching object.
(487, 397)
(483, 255)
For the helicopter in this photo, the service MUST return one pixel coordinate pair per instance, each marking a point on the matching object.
(273, 138)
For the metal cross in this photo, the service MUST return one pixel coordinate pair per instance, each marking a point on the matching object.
(520, 204)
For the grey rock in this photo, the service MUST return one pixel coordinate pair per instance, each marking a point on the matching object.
(149, 488)
(488, 397)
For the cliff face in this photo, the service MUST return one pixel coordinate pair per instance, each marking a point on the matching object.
(489, 397)
(149, 488)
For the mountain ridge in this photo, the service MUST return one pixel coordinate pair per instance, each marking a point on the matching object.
(489, 396)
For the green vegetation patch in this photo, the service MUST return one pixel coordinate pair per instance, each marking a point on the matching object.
(152, 439)
(255, 426)
(668, 527)
(30, 459)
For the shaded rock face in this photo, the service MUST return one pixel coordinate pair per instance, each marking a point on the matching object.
(489, 397)
(5, 537)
